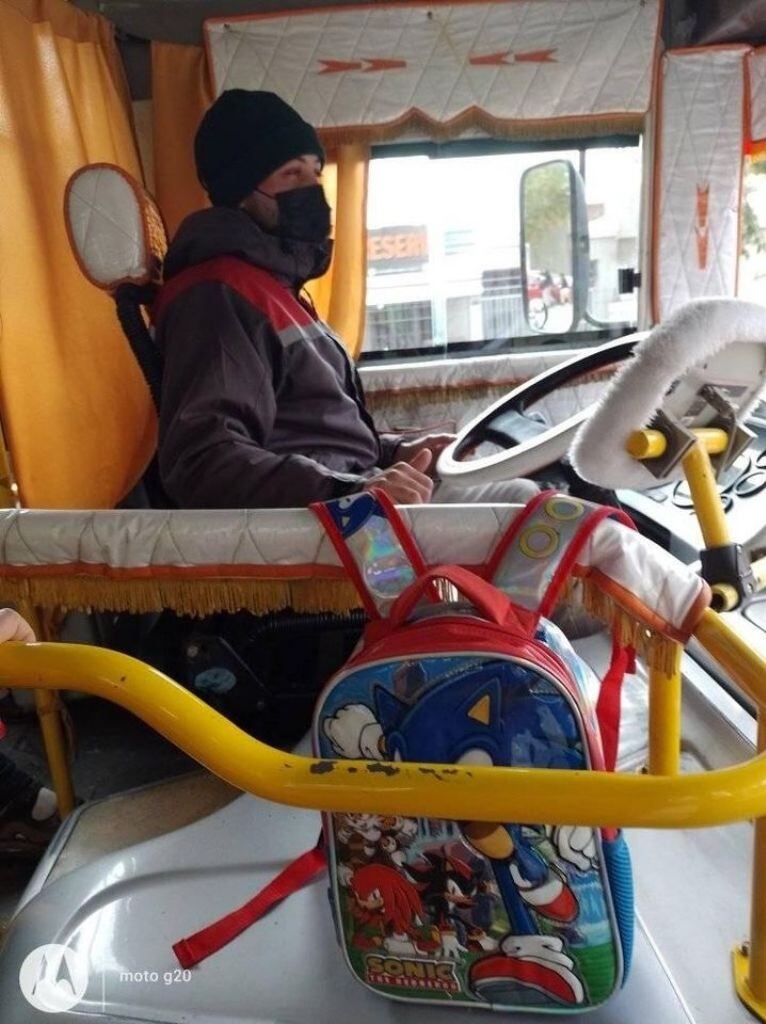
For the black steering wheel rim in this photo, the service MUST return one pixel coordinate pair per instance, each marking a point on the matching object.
(531, 446)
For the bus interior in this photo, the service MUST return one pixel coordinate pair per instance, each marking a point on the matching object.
(549, 241)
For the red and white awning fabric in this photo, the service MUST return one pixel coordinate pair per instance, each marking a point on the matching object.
(365, 71)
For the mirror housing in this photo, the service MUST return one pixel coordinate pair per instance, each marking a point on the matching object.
(554, 247)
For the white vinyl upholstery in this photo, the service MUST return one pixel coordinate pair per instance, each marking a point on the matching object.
(290, 542)
(757, 69)
(114, 227)
(701, 137)
(375, 64)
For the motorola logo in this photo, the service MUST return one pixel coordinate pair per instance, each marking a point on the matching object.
(53, 978)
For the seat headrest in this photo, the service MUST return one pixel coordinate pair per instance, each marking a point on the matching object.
(115, 228)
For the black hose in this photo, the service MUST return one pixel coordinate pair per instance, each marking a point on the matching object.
(129, 298)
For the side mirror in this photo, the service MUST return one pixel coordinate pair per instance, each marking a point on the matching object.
(555, 247)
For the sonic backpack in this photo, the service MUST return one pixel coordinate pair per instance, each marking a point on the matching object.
(505, 916)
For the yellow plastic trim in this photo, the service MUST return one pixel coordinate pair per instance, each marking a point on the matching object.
(665, 715)
(651, 444)
(48, 706)
(756, 949)
(741, 958)
(704, 492)
(759, 571)
(458, 792)
(725, 597)
(744, 665)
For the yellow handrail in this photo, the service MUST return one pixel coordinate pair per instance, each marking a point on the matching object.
(440, 791)
(759, 571)
(651, 444)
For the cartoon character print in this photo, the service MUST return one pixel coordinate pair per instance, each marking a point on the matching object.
(450, 883)
(371, 838)
(367, 534)
(388, 912)
(351, 513)
(463, 720)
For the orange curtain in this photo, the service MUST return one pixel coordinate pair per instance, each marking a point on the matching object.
(75, 411)
(340, 295)
(181, 93)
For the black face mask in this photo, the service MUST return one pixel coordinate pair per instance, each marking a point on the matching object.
(303, 214)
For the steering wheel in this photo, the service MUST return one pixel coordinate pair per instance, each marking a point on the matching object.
(529, 445)
(706, 343)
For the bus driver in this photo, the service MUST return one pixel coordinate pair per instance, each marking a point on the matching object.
(262, 407)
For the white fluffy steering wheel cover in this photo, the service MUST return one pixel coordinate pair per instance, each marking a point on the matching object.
(694, 333)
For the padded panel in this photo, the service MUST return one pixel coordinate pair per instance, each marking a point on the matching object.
(757, 70)
(290, 543)
(115, 228)
(366, 66)
(701, 136)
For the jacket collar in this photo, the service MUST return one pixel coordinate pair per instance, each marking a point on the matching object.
(221, 231)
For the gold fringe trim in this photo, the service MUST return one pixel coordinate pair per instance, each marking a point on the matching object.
(188, 597)
(206, 597)
(657, 650)
(13, 592)
(412, 398)
(417, 123)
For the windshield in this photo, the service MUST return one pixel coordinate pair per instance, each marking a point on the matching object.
(444, 267)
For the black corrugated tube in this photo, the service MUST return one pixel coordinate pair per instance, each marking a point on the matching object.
(129, 298)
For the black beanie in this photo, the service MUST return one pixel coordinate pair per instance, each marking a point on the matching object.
(243, 138)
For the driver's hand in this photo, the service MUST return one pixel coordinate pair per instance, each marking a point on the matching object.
(406, 483)
(13, 627)
(434, 443)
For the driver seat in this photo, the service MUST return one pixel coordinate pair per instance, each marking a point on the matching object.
(119, 240)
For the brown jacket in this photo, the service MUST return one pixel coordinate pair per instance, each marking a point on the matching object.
(249, 420)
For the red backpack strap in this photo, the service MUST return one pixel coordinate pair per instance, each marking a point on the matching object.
(608, 704)
(536, 556)
(532, 564)
(215, 936)
(288, 316)
(374, 545)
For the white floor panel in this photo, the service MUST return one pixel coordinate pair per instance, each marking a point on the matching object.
(125, 911)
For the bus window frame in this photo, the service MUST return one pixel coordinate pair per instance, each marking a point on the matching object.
(437, 150)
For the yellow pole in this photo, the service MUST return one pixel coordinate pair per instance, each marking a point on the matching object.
(757, 978)
(665, 715)
(707, 502)
(47, 702)
(651, 444)
(48, 706)
(750, 958)
(759, 571)
(746, 666)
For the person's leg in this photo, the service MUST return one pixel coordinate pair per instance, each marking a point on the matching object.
(516, 492)
(28, 811)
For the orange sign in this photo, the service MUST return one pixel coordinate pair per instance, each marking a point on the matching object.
(399, 244)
